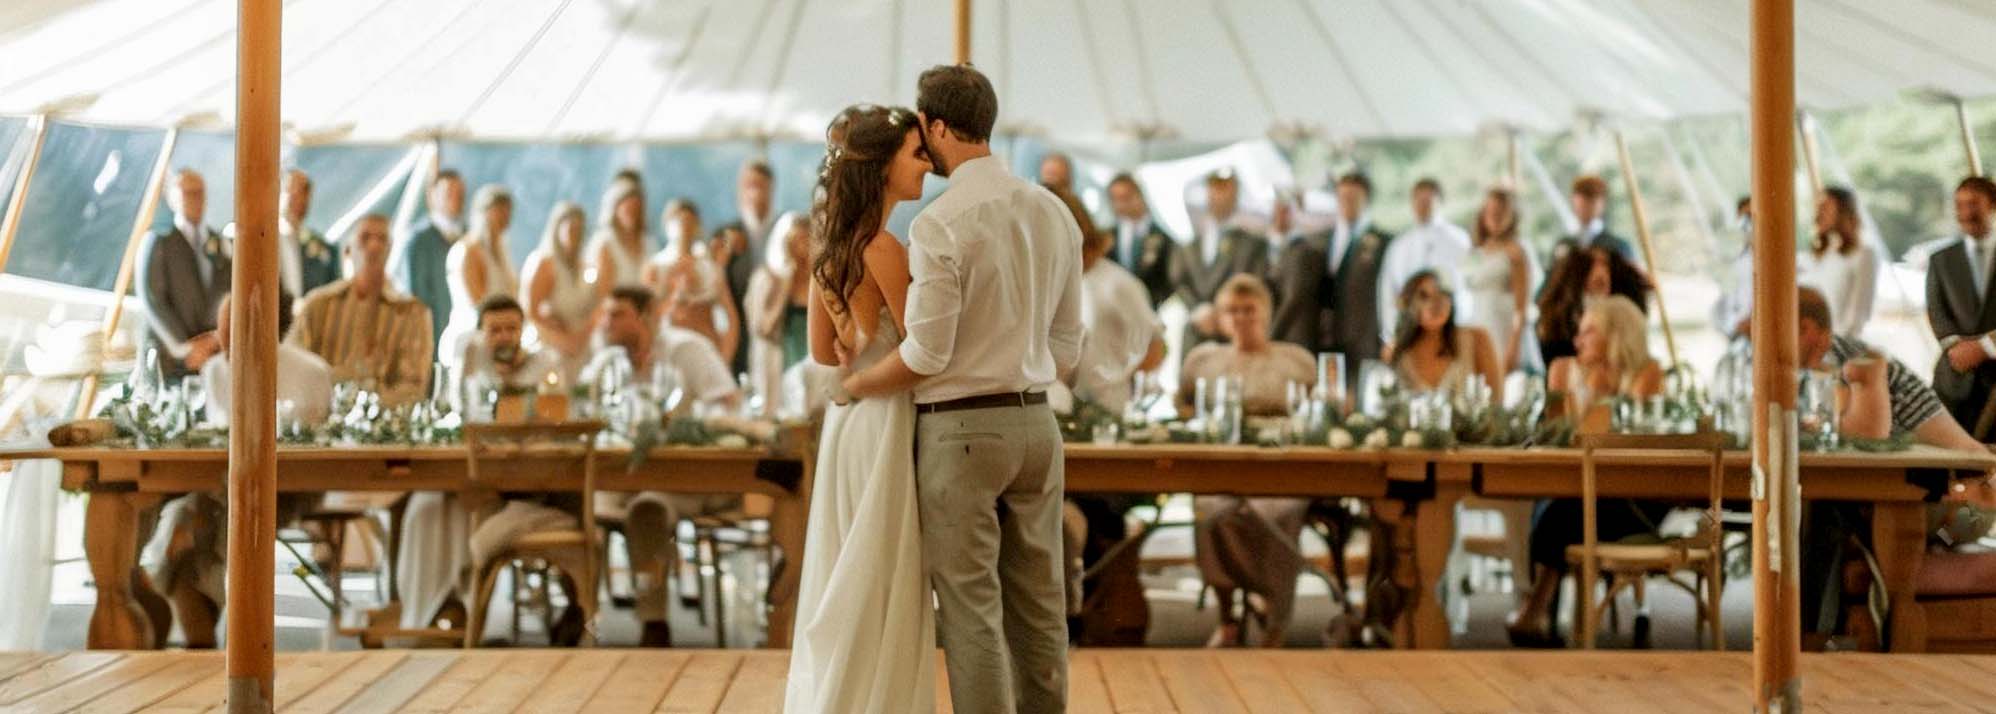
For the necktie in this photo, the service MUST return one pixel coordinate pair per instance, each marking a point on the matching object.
(1128, 244)
(201, 258)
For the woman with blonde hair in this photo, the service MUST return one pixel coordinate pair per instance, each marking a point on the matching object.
(617, 251)
(477, 267)
(560, 297)
(693, 286)
(776, 306)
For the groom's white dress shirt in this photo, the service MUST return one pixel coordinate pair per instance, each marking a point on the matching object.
(996, 292)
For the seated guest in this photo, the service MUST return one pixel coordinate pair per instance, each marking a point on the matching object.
(1584, 276)
(631, 327)
(1057, 172)
(182, 275)
(561, 300)
(1612, 360)
(1432, 243)
(775, 308)
(1249, 543)
(303, 378)
(693, 286)
(364, 327)
(478, 268)
(496, 357)
(1431, 352)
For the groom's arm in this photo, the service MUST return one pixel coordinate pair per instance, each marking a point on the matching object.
(935, 300)
(890, 375)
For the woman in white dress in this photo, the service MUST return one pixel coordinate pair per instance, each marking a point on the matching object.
(693, 286)
(1501, 275)
(865, 637)
(477, 267)
(1839, 262)
(1431, 352)
(560, 298)
(618, 249)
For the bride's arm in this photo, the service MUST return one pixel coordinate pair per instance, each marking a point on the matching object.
(887, 264)
(824, 336)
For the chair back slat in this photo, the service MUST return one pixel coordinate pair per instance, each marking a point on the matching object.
(1709, 537)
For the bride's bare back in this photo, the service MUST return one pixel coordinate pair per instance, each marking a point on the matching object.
(885, 284)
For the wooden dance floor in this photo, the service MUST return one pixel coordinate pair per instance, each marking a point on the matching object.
(611, 680)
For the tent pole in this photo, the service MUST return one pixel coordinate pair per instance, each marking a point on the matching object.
(253, 359)
(1967, 138)
(963, 31)
(1642, 235)
(1777, 644)
(141, 225)
(17, 204)
(1512, 169)
(1805, 127)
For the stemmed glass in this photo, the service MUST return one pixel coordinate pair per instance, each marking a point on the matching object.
(1816, 406)
(1378, 385)
(194, 395)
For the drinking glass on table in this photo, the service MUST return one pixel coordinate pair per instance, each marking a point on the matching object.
(194, 390)
(1331, 378)
(1816, 407)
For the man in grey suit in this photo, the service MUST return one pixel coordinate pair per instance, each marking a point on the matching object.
(1961, 306)
(183, 274)
(1326, 285)
(994, 317)
(1219, 249)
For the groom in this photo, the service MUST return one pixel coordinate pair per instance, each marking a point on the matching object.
(993, 318)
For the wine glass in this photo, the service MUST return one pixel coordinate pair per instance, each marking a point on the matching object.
(1378, 386)
(665, 388)
(194, 390)
(1331, 377)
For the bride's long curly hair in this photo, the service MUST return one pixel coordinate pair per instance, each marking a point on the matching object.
(847, 206)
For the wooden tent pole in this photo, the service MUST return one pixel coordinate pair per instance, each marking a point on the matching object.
(1642, 236)
(1805, 127)
(1512, 170)
(1777, 643)
(1968, 138)
(963, 31)
(253, 360)
(17, 203)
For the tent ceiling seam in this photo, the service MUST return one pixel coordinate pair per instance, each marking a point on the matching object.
(1733, 85)
(1462, 39)
(1246, 63)
(370, 87)
(894, 48)
(748, 46)
(1739, 46)
(1533, 61)
(624, 26)
(290, 68)
(1149, 82)
(1964, 61)
(519, 57)
(670, 82)
(94, 50)
(1344, 65)
(763, 123)
(185, 54)
(1094, 54)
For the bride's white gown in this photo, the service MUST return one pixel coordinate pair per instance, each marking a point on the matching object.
(865, 638)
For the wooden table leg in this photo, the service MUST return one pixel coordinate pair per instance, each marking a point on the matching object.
(1898, 534)
(1434, 537)
(111, 541)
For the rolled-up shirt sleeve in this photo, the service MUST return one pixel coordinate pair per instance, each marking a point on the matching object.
(935, 297)
(1065, 334)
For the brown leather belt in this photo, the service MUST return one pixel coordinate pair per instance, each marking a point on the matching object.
(983, 401)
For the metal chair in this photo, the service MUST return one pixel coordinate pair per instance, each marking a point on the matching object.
(1629, 566)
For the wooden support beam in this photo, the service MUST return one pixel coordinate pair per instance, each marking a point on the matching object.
(1512, 172)
(253, 360)
(1805, 127)
(1641, 216)
(141, 225)
(1968, 144)
(1777, 643)
(17, 203)
(963, 31)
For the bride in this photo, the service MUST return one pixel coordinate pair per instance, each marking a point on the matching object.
(865, 638)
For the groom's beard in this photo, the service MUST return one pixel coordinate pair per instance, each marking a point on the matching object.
(935, 160)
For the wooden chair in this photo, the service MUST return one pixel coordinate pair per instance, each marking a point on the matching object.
(574, 551)
(1629, 566)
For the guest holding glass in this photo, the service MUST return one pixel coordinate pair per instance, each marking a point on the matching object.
(560, 298)
(478, 268)
(1585, 275)
(366, 329)
(1432, 353)
(1500, 275)
(1840, 263)
(1249, 543)
(1611, 360)
(618, 249)
(694, 288)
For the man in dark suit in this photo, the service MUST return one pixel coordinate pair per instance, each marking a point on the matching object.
(419, 267)
(1327, 284)
(307, 260)
(1590, 210)
(1962, 308)
(747, 238)
(1142, 247)
(183, 274)
(1219, 250)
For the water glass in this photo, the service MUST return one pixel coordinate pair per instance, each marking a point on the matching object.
(194, 390)
(665, 389)
(1816, 407)
(1378, 387)
(1331, 377)
(1105, 433)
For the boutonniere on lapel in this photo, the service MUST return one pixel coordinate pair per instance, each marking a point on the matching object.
(315, 249)
(213, 247)
(1368, 247)
(1152, 245)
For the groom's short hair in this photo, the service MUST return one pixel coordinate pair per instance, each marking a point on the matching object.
(961, 98)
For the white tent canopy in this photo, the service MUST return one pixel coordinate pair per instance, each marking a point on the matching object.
(1082, 71)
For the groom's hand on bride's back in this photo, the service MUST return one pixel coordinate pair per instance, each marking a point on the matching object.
(844, 353)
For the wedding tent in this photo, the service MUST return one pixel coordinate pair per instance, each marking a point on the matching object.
(1084, 73)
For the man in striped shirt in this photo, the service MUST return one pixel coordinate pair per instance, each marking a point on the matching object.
(365, 328)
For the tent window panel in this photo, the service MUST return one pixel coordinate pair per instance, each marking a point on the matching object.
(84, 196)
(13, 155)
(539, 175)
(341, 178)
(213, 155)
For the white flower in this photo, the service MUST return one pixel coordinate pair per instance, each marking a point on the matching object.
(1411, 439)
(1378, 439)
(1341, 439)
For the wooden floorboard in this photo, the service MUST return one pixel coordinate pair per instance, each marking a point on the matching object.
(1099, 682)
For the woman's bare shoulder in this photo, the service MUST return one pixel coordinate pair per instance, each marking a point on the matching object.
(885, 245)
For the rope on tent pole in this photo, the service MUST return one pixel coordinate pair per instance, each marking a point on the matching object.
(10, 222)
(1642, 234)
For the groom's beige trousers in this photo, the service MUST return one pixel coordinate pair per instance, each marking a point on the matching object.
(989, 482)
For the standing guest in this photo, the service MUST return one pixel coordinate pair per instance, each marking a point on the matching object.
(1585, 275)
(1432, 243)
(1057, 172)
(747, 239)
(364, 327)
(631, 331)
(1281, 229)
(560, 298)
(1500, 274)
(305, 260)
(618, 250)
(1142, 247)
(1249, 543)
(1219, 250)
(1430, 352)
(777, 309)
(1839, 262)
(1958, 305)
(182, 275)
(1590, 211)
(693, 287)
(1733, 313)
(1612, 360)
(479, 268)
(420, 264)
(1349, 290)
